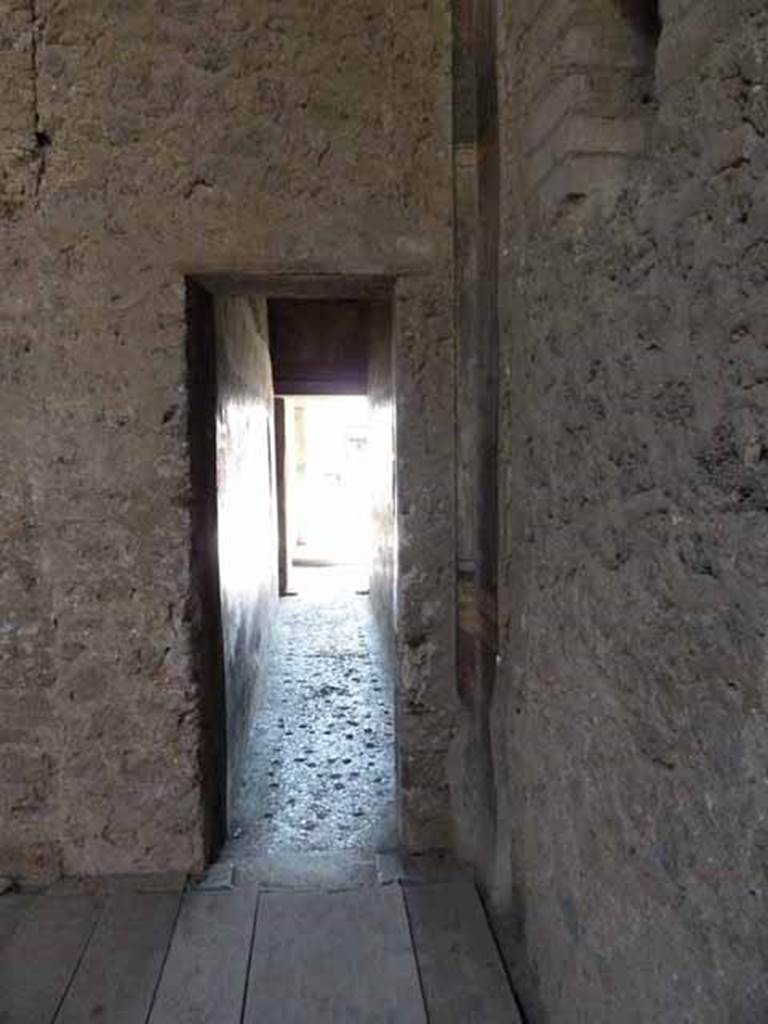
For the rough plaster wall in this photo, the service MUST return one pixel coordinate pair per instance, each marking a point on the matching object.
(425, 697)
(247, 510)
(630, 731)
(175, 137)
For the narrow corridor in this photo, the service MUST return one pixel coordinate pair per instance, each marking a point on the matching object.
(319, 771)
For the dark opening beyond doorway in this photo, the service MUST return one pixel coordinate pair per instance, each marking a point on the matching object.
(299, 487)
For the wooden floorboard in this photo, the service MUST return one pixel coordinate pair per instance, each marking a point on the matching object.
(316, 957)
(325, 957)
(462, 975)
(119, 972)
(204, 976)
(41, 956)
(13, 907)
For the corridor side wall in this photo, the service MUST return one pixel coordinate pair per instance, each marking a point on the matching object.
(247, 511)
(381, 398)
(629, 727)
(142, 143)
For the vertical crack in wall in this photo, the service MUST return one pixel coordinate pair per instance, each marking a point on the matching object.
(41, 139)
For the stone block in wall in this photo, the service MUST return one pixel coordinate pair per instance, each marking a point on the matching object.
(600, 139)
(581, 175)
(584, 83)
(424, 796)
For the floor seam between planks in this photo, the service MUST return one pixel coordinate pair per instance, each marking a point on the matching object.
(244, 1001)
(502, 958)
(77, 964)
(414, 951)
(171, 934)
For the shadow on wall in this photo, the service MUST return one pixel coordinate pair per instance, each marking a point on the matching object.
(644, 17)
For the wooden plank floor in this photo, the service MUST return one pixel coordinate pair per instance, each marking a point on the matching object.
(205, 974)
(117, 976)
(13, 907)
(43, 954)
(461, 972)
(325, 958)
(132, 956)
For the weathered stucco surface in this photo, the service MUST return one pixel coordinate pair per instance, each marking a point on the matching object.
(139, 142)
(629, 722)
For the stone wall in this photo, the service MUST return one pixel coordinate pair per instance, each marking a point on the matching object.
(247, 511)
(140, 143)
(425, 697)
(628, 873)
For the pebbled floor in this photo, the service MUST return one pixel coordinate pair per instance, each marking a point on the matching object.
(319, 772)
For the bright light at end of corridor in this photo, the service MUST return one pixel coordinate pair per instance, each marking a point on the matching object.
(331, 480)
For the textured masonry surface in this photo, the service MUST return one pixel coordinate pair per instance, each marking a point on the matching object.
(629, 725)
(138, 143)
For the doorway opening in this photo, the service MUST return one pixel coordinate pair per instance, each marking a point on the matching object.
(328, 494)
(291, 429)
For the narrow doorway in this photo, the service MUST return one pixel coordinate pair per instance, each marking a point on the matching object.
(300, 394)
